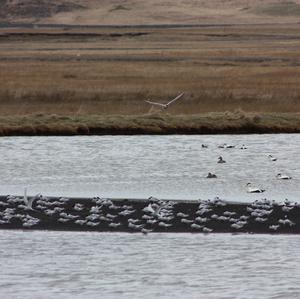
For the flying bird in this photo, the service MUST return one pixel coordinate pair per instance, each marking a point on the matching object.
(165, 106)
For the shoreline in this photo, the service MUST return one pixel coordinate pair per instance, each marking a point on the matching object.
(155, 124)
(148, 215)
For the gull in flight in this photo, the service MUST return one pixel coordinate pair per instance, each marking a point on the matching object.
(165, 106)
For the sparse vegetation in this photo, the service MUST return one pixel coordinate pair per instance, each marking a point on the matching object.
(220, 123)
(245, 78)
(287, 8)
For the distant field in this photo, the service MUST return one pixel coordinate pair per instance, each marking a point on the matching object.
(131, 12)
(111, 71)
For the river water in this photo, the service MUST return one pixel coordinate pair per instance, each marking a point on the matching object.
(44, 264)
(172, 167)
(93, 265)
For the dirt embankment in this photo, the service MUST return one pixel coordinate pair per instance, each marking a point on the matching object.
(159, 124)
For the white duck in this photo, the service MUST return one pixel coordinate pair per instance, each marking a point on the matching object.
(251, 189)
(283, 177)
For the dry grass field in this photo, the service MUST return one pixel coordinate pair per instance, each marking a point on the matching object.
(107, 72)
(133, 12)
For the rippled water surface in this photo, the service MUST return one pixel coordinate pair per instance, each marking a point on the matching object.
(95, 265)
(101, 265)
(143, 166)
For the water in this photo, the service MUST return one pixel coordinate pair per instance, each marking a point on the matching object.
(93, 265)
(44, 264)
(141, 166)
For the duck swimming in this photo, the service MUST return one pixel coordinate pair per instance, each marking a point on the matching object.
(211, 176)
(283, 177)
(251, 189)
(221, 160)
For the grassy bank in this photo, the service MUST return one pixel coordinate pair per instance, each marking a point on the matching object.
(213, 123)
(95, 81)
(112, 71)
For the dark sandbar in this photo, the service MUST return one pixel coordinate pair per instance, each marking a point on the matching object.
(149, 215)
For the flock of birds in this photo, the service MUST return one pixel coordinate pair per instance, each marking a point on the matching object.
(145, 216)
(250, 188)
(154, 214)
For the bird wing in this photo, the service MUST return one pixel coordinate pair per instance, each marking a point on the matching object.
(175, 99)
(154, 103)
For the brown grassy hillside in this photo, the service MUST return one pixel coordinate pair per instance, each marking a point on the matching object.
(149, 12)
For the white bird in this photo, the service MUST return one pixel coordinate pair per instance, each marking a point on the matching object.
(49, 212)
(244, 217)
(200, 219)
(78, 207)
(134, 221)
(151, 221)
(146, 231)
(225, 145)
(147, 217)
(207, 230)
(126, 212)
(219, 202)
(283, 177)
(28, 201)
(236, 226)
(227, 213)
(251, 189)
(63, 220)
(110, 216)
(223, 218)
(196, 226)
(80, 222)
(63, 199)
(90, 223)
(95, 209)
(261, 220)
(273, 159)
(153, 209)
(114, 225)
(203, 211)
(286, 222)
(92, 217)
(182, 215)
(162, 224)
(165, 106)
(58, 209)
(286, 209)
(183, 220)
(273, 227)
(134, 226)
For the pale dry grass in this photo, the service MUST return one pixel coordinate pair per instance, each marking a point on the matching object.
(220, 69)
(121, 12)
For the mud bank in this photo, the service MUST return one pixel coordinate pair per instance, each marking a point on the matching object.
(214, 123)
(148, 215)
